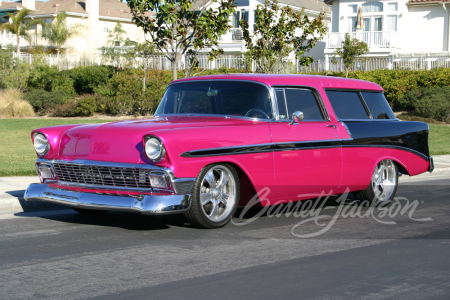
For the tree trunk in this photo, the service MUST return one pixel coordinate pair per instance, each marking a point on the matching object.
(346, 75)
(57, 56)
(143, 82)
(174, 69)
(18, 44)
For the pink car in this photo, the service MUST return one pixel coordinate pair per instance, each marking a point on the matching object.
(217, 141)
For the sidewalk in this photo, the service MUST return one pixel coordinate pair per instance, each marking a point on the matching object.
(13, 188)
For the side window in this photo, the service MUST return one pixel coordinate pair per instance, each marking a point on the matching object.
(281, 104)
(304, 101)
(347, 105)
(378, 106)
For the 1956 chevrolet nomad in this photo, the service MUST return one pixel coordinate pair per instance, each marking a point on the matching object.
(216, 141)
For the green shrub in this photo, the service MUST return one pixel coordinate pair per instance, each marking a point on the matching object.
(62, 82)
(68, 109)
(126, 95)
(86, 106)
(432, 103)
(41, 77)
(43, 101)
(88, 78)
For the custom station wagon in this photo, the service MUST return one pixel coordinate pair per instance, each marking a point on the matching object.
(217, 141)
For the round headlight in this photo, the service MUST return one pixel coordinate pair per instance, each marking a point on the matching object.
(154, 149)
(41, 144)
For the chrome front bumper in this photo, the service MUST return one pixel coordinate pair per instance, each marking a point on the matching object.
(148, 204)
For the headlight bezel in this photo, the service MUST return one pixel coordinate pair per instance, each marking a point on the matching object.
(156, 141)
(39, 136)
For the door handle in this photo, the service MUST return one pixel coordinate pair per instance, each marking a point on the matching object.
(331, 126)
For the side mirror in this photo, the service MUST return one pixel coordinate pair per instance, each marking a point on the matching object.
(297, 116)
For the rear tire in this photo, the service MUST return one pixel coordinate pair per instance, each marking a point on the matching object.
(214, 197)
(90, 212)
(383, 185)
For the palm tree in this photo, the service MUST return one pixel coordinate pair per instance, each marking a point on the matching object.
(17, 26)
(58, 33)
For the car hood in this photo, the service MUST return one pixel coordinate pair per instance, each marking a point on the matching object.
(122, 141)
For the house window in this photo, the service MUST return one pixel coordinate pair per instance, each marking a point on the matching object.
(351, 24)
(237, 16)
(392, 23)
(352, 9)
(393, 6)
(372, 6)
(378, 24)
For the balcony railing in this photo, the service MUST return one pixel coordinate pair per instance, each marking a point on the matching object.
(374, 39)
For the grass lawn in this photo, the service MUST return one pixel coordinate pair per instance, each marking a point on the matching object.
(17, 153)
(439, 140)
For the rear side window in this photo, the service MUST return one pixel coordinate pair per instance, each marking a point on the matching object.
(298, 100)
(378, 106)
(347, 105)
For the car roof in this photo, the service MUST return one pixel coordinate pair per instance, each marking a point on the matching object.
(294, 79)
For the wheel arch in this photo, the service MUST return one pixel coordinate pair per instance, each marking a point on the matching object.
(247, 188)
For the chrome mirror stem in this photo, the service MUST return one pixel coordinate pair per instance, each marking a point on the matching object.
(297, 117)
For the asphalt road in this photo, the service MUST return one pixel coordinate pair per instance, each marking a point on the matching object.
(394, 252)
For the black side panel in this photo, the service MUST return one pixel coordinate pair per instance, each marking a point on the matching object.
(397, 134)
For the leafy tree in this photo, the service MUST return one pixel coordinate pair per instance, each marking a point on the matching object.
(144, 52)
(18, 26)
(58, 33)
(350, 50)
(177, 29)
(280, 32)
(118, 47)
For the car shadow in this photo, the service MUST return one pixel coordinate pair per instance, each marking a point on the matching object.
(33, 206)
(124, 220)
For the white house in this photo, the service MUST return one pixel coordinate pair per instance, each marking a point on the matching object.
(392, 26)
(98, 17)
(232, 42)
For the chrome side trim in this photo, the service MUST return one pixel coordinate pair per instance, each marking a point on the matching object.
(148, 204)
(346, 128)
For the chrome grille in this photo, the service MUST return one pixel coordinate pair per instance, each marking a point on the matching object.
(102, 175)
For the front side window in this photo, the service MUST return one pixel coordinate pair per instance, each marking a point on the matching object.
(233, 98)
(347, 105)
(291, 100)
(378, 105)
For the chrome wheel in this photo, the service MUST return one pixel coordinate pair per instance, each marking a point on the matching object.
(218, 193)
(384, 180)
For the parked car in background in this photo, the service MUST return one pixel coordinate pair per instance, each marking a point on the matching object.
(216, 141)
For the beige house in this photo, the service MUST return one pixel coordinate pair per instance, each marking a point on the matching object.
(98, 17)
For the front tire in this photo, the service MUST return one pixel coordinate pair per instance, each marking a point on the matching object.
(383, 184)
(215, 197)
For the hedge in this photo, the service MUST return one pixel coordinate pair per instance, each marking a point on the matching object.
(122, 91)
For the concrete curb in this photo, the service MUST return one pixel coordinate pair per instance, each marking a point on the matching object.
(13, 188)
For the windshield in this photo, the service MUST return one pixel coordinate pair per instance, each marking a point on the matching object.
(233, 98)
